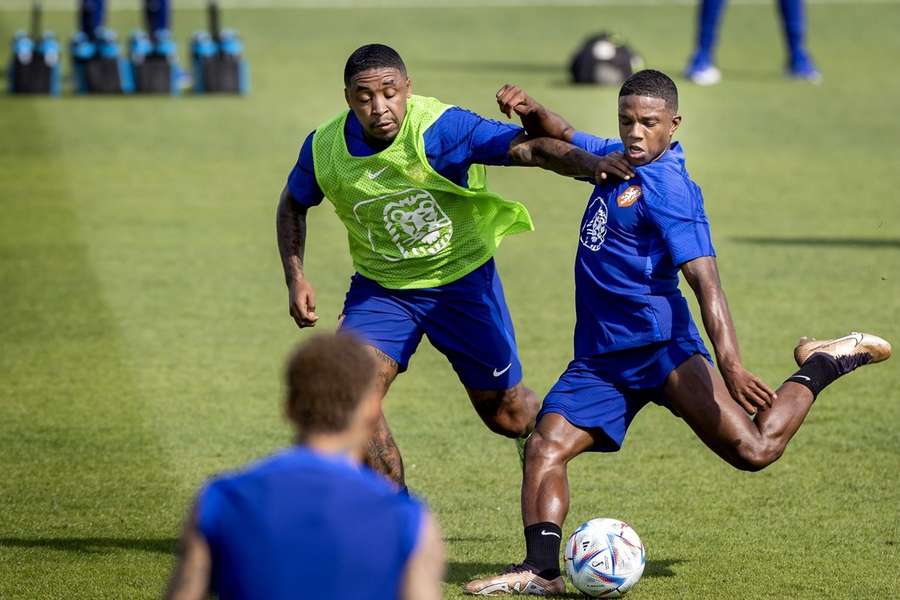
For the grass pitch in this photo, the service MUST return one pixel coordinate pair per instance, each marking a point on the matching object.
(144, 319)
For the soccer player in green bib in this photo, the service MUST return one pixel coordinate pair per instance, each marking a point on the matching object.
(406, 177)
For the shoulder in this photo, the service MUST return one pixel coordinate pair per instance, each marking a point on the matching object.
(458, 122)
(263, 466)
(666, 181)
(596, 145)
(306, 147)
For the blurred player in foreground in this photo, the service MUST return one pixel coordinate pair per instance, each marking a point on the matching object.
(702, 68)
(635, 340)
(309, 521)
(405, 176)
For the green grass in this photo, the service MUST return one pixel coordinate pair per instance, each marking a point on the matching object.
(143, 319)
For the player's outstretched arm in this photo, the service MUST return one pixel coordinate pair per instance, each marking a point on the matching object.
(565, 159)
(702, 274)
(290, 224)
(425, 569)
(537, 120)
(191, 575)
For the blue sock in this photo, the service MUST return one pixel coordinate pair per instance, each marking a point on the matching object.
(793, 18)
(708, 19)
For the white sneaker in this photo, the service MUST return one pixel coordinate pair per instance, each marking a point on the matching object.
(705, 76)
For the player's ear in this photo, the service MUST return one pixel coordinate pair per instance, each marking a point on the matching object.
(347, 96)
(676, 123)
(408, 86)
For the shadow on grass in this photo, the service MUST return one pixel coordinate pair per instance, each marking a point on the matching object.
(94, 545)
(460, 573)
(837, 242)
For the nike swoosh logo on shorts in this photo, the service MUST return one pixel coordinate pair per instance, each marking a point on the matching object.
(505, 369)
(373, 175)
(801, 377)
(545, 532)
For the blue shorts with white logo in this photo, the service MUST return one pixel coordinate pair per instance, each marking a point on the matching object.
(467, 320)
(606, 391)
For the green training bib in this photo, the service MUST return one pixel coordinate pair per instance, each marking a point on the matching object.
(409, 227)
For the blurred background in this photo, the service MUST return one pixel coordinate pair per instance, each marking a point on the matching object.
(144, 318)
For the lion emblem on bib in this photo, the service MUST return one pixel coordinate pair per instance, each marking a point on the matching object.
(417, 224)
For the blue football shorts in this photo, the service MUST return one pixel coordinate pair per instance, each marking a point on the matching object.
(467, 320)
(606, 391)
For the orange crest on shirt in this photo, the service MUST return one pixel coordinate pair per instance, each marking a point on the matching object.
(631, 195)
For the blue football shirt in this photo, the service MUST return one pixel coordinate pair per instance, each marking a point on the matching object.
(301, 524)
(634, 236)
(454, 142)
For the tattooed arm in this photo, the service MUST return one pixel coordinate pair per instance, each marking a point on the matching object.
(565, 159)
(290, 223)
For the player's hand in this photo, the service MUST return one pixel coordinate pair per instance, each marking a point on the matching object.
(512, 98)
(302, 298)
(613, 165)
(748, 390)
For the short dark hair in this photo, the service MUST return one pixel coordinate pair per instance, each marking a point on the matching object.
(372, 56)
(651, 83)
(327, 377)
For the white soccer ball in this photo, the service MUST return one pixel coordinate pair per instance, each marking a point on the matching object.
(604, 558)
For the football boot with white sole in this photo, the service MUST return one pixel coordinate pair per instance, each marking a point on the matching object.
(516, 580)
(850, 352)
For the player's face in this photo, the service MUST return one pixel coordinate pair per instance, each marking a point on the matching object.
(646, 126)
(378, 99)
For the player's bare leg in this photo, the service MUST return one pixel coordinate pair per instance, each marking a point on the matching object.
(698, 394)
(383, 455)
(509, 412)
(545, 504)
(545, 486)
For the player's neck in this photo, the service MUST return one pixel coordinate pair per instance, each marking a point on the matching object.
(375, 143)
(661, 154)
(334, 444)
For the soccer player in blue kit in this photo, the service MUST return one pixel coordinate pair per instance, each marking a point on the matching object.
(635, 340)
(405, 176)
(309, 522)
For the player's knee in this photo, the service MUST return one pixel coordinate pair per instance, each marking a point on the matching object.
(514, 415)
(510, 424)
(540, 449)
(757, 456)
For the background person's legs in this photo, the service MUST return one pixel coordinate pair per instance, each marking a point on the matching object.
(91, 15)
(793, 20)
(701, 69)
(158, 15)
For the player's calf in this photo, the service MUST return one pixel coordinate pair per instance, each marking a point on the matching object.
(383, 456)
